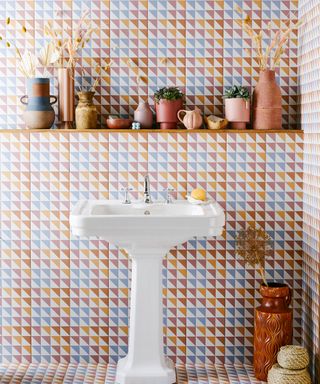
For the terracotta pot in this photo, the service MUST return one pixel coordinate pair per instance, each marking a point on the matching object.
(272, 327)
(143, 114)
(39, 113)
(66, 100)
(192, 119)
(267, 105)
(237, 112)
(166, 111)
(86, 111)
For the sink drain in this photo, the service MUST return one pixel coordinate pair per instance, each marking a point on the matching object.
(146, 212)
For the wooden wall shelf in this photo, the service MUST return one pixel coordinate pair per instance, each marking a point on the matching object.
(209, 131)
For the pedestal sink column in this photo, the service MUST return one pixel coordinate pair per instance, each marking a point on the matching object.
(145, 362)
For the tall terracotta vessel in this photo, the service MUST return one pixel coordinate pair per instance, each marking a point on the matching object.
(66, 97)
(272, 327)
(267, 110)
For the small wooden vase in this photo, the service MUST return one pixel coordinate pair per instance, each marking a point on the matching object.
(272, 327)
(86, 111)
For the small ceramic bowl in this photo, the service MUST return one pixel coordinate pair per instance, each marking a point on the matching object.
(119, 123)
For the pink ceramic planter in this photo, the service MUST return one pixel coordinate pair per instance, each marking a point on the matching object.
(166, 111)
(237, 112)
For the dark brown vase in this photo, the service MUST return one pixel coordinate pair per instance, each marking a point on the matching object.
(166, 111)
(267, 104)
(272, 327)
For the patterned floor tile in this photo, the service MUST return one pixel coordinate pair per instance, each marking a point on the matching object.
(105, 374)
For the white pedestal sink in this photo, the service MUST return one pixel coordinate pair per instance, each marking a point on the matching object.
(147, 232)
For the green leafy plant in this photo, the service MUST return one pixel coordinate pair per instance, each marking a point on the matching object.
(168, 93)
(253, 246)
(238, 92)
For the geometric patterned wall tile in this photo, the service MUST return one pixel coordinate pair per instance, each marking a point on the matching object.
(196, 45)
(66, 299)
(310, 112)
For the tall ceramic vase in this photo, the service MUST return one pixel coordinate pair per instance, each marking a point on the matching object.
(267, 106)
(39, 113)
(272, 327)
(66, 100)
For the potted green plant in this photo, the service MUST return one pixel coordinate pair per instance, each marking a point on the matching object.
(237, 106)
(273, 323)
(168, 101)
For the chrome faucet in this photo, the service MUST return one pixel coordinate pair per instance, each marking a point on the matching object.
(146, 196)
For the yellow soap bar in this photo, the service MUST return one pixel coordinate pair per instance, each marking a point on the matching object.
(199, 194)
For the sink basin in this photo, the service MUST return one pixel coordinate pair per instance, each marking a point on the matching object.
(134, 225)
(147, 232)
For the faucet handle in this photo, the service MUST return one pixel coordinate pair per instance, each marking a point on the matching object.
(126, 199)
(169, 198)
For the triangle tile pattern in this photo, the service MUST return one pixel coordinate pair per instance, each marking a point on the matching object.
(310, 114)
(196, 45)
(66, 300)
(105, 374)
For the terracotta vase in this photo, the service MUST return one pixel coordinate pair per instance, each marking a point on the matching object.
(39, 113)
(166, 111)
(66, 100)
(267, 105)
(86, 111)
(143, 115)
(191, 119)
(237, 112)
(272, 327)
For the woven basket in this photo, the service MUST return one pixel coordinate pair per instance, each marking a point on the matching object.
(278, 375)
(293, 357)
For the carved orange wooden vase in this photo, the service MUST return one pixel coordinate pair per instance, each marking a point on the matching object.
(272, 327)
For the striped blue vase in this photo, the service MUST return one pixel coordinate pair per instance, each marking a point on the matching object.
(39, 113)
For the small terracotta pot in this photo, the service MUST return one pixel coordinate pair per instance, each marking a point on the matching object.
(66, 100)
(267, 104)
(237, 112)
(166, 111)
(272, 327)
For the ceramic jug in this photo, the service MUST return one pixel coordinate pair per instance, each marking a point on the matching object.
(191, 119)
(39, 113)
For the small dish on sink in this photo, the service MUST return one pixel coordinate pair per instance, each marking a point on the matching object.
(194, 201)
